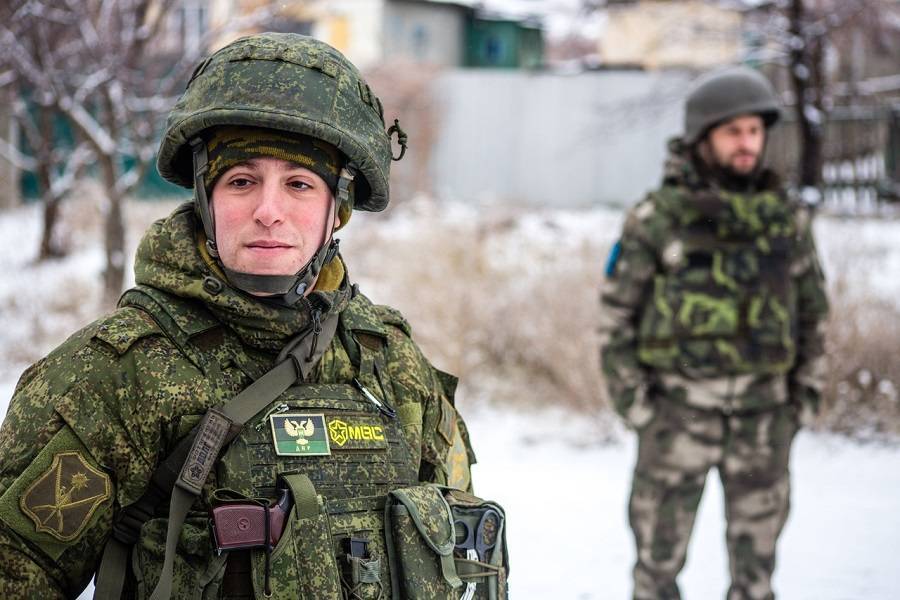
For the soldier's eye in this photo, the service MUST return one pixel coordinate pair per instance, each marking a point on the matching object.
(300, 185)
(240, 182)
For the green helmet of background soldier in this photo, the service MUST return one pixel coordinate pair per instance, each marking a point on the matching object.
(292, 84)
(727, 93)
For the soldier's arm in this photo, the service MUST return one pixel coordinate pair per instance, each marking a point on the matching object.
(808, 375)
(67, 460)
(629, 272)
(25, 570)
(425, 406)
(55, 497)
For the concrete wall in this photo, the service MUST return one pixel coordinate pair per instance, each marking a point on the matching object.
(553, 140)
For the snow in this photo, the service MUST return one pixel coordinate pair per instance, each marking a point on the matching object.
(563, 477)
(810, 196)
(812, 114)
(566, 497)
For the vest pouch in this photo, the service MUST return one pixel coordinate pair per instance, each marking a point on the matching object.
(302, 565)
(490, 571)
(357, 533)
(420, 539)
(197, 573)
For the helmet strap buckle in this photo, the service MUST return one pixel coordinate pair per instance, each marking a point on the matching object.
(201, 167)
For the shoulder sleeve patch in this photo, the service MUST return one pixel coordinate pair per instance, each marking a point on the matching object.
(124, 327)
(58, 496)
(613, 259)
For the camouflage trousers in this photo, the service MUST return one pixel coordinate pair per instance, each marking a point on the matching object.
(676, 450)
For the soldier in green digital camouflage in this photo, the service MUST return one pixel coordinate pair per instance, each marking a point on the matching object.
(713, 308)
(247, 424)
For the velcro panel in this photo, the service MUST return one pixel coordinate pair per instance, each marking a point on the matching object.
(58, 496)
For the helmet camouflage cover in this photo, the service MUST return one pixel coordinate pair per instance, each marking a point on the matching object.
(290, 83)
(727, 93)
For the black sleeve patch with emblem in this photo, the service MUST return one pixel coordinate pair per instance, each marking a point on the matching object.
(62, 500)
(58, 496)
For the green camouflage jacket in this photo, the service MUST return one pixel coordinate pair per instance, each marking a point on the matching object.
(714, 298)
(88, 424)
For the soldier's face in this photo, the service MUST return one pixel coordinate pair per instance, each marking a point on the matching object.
(737, 144)
(270, 216)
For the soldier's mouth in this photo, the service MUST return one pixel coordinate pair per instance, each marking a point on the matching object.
(268, 247)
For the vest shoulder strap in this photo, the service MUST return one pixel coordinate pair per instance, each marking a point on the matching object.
(178, 318)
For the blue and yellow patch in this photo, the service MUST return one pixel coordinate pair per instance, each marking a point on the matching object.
(297, 434)
(613, 259)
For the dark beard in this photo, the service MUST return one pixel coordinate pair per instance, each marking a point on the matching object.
(726, 177)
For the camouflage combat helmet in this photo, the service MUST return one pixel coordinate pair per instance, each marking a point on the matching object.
(290, 83)
(726, 93)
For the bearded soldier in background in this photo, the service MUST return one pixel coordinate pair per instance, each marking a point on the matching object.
(248, 424)
(713, 310)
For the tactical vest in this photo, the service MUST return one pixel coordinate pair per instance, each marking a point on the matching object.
(352, 470)
(722, 301)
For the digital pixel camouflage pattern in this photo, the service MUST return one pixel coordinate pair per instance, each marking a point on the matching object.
(289, 83)
(713, 310)
(101, 410)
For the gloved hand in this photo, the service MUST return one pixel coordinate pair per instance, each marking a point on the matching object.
(637, 405)
(806, 402)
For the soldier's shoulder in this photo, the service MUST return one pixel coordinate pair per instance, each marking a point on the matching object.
(362, 314)
(121, 329)
(91, 351)
(656, 204)
(651, 218)
(802, 214)
(394, 318)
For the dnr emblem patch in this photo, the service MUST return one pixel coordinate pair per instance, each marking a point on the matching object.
(357, 433)
(62, 500)
(299, 435)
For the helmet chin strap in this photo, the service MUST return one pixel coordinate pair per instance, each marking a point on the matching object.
(290, 288)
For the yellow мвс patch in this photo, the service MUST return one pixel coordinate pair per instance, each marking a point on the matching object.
(355, 433)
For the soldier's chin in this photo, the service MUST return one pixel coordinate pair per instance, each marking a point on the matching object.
(742, 168)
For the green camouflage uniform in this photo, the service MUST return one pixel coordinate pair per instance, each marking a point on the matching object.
(712, 315)
(89, 423)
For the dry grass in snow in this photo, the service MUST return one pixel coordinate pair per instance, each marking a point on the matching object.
(504, 298)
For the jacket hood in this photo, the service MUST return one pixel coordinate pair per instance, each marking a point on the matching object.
(171, 258)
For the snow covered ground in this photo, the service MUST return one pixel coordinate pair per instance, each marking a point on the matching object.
(566, 498)
(562, 477)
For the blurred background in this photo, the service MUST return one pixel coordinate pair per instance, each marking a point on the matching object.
(532, 126)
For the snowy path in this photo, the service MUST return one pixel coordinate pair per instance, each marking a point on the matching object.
(569, 536)
(568, 533)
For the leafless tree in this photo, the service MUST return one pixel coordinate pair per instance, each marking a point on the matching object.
(802, 36)
(95, 63)
(54, 167)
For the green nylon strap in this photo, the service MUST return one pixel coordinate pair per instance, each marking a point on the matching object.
(239, 410)
(306, 501)
(178, 510)
(111, 576)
